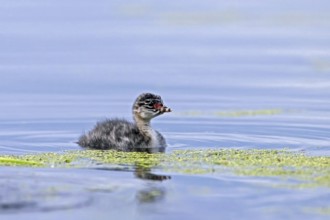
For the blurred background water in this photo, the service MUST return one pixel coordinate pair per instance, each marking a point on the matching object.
(237, 74)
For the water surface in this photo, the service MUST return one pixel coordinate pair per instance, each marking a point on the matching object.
(238, 74)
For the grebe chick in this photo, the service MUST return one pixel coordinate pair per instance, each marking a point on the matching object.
(118, 134)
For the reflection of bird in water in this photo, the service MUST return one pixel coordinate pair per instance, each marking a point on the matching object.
(145, 173)
(122, 135)
(150, 194)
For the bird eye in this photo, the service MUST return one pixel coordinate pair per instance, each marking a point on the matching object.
(147, 102)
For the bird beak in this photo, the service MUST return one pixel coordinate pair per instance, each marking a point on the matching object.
(165, 109)
(162, 108)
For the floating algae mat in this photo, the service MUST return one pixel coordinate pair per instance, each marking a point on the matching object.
(241, 113)
(311, 170)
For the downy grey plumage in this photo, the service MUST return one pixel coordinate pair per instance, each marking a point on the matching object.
(119, 134)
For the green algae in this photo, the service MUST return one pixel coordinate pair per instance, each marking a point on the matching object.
(323, 211)
(12, 161)
(237, 113)
(318, 210)
(245, 113)
(311, 171)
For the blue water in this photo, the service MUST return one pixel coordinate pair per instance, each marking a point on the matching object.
(66, 64)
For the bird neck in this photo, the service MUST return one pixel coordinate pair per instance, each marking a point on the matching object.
(143, 124)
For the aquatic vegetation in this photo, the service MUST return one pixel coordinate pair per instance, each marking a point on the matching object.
(13, 161)
(238, 113)
(321, 65)
(318, 210)
(243, 113)
(309, 170)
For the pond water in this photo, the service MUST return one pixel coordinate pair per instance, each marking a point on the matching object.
(237, 74)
